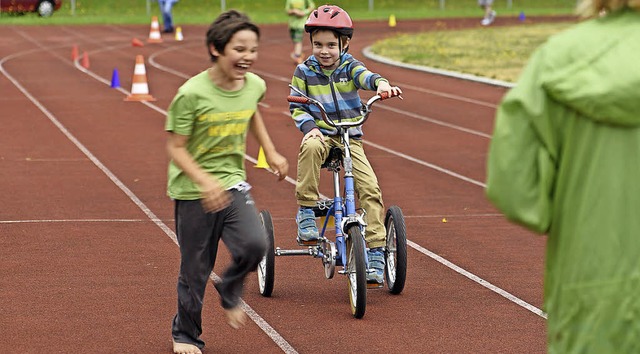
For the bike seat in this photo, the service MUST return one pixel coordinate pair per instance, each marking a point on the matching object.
(334, 159)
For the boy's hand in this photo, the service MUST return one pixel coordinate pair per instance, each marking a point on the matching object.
(384, 86)
(278, 164)
(214, 197)
(314, 133)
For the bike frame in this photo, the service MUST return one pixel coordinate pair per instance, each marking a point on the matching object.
(344, 218)
(345, 214)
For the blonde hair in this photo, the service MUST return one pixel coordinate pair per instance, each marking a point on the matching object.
(594, 8)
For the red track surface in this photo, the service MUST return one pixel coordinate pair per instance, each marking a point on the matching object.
(86, 255)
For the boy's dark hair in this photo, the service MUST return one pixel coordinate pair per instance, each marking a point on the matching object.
(224, 27)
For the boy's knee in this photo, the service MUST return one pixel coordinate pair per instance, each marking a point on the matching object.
(312, 144)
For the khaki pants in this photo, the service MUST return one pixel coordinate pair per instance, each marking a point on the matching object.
(312, 154)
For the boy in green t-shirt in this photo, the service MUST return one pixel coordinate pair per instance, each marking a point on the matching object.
(207, 123)
(298, 10)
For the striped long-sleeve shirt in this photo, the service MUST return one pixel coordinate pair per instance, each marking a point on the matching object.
(337, 91)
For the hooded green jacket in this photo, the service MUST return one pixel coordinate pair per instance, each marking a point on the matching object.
(565, 160)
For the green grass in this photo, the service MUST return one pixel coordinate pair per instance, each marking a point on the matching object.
(272, 11)
(493, 52)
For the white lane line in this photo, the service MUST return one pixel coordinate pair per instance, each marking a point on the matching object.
(47, 221)
(411, 244)
(478, 280)
(426, 164)
(416, 246)
(262, 324)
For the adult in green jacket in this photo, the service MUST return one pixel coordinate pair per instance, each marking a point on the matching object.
(565, 161)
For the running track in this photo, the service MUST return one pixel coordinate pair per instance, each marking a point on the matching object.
(88, 258)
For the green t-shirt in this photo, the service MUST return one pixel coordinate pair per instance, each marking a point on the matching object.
(216, 122)
(296, 22)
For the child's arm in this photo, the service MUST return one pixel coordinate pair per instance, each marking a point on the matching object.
(277, 162)
(214, 196)
(365, 79)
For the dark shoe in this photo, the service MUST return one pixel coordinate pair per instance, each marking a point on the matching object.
(167, 30)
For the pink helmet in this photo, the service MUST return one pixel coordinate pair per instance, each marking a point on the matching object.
(330, 17)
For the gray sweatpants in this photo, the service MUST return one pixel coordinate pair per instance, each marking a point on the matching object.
(198, 233)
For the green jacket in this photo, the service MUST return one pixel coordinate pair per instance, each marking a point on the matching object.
(565, 160)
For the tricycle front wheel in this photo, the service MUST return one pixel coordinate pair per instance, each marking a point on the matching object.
(356, 271)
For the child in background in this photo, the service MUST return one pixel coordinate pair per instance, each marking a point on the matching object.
(207, 123)
(489, 13)
(298, 10)
(333, 77)
(166, 7)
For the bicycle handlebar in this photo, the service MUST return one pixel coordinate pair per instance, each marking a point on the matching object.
(364, 110)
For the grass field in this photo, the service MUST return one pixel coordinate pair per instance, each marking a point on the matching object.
(491, 52)
(272, 11)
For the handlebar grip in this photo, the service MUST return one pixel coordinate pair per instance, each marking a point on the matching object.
(385, 95)
(297, 99)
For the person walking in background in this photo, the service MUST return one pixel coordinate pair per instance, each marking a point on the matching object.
(298, 10)
(166, 7)
(489, 13)
(565, 160)
(207, 122)
(333, 77)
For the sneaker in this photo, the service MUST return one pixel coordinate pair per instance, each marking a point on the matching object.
(307, 229)
(489, 19)
(375, 273)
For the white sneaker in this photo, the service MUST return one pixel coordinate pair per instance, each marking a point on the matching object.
(489, 20)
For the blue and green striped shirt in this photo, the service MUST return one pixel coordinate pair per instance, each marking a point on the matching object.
(337, 91)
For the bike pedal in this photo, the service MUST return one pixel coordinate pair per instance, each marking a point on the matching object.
(375, 285)
(308, 243)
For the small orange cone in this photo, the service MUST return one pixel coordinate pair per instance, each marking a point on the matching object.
(139, 87)
(262, 160)
(154, 33)
(179, 36)
(74, 52)
(85, 60)
(137, 43)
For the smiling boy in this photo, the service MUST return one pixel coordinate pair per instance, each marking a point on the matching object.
(333, 77)
(208, 121)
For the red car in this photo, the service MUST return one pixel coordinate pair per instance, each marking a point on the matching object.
(44, 8)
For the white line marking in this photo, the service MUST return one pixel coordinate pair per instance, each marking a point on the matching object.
(274, 335)
(478, 280)
(287, 348)
(427, 164)
(70, 221)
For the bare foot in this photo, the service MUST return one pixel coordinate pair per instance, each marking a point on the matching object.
(184, 348)
(236, 317)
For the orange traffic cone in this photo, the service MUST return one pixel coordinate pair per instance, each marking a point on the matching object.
(137, 43)
(74, 52)
(179, 36)
(139, 87)
(154, 33)
(85, 60)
